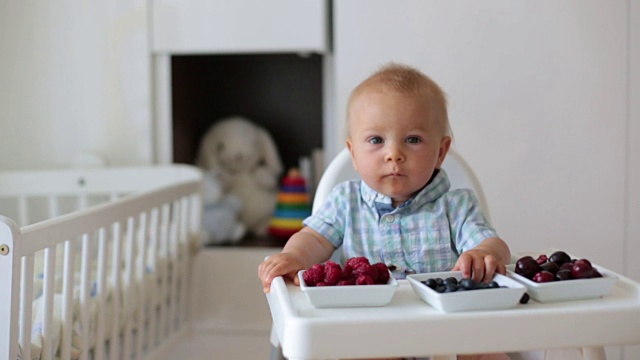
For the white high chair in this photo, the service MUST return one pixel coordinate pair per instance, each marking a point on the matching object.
(460, 176)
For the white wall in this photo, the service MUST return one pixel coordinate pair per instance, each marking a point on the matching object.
(75, 79)
(538, 105)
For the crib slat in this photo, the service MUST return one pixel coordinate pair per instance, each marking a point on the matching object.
(184, 261)
(174, 266)
(116, 284)
(153, 248)
(23, 213)
(101, 291)
(85, 294)
(49, 289)
(53, 206)
(129, 286)
(163, 271)
(26, 305)
(142, 256)
(83, 201)
(68, 272)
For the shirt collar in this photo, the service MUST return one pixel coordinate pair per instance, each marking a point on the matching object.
(438, 186)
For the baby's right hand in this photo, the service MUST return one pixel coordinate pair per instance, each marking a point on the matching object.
(281, 264)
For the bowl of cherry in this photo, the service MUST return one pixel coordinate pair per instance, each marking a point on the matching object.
(560, 277)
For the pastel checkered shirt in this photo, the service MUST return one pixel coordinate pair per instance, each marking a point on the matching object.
(424, 234)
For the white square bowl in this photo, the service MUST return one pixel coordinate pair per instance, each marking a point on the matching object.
(349, 295)
(566, 290)
(471, 300)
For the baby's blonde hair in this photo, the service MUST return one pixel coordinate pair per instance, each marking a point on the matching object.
(405, 80)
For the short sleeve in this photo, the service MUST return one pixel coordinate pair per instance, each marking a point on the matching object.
(469, 226)
(329, 220)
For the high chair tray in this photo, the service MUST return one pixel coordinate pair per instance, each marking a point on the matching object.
(407, 326)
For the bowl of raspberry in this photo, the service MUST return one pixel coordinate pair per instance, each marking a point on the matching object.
(358, 284)
(449, 291)
(561, 277)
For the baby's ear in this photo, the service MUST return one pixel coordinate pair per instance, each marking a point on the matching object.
(445, 145)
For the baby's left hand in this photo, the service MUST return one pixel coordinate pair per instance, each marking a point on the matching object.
(479, 265)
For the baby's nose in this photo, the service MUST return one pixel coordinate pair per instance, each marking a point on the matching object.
(394, 155)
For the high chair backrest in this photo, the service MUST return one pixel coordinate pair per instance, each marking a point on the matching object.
(340, 169)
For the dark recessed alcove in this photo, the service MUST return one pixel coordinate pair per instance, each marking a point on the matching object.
(281, 92)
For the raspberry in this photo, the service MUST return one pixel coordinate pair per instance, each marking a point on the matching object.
(347, 272)
(314, 275)
(383, 273)
(322, 284)
(333, 264)
(542, 259)
(364, 280)
(332, 275)
(354, 261)
(350, 281)
(365, 269)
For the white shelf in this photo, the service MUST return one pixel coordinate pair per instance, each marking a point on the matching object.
(239, 26)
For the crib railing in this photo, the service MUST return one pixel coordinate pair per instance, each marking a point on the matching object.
(109, 281)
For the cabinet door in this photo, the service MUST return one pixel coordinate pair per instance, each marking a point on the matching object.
(222, 26)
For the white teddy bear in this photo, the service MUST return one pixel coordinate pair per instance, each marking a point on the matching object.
(221, 213)
(247, 162)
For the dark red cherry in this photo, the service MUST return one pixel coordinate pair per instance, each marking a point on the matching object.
(527, 266)
(566, 266)
(594, 273)
(560, 257)
(564, 274)
(550, 267)
(581, 269)
(543, 277)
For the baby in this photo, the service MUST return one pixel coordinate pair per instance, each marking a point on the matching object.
(402, 212)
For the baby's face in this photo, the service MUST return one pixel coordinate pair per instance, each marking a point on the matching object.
(395, 145)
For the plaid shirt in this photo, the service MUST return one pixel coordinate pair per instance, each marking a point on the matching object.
(424, 234)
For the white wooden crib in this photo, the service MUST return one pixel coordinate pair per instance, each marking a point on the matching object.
(97, 263)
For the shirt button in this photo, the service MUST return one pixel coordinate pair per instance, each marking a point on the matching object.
(390, 218)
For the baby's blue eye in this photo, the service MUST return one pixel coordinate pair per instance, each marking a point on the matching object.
(413, 140)
(376, 140)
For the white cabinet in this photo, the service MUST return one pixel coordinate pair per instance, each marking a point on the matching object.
(239, 26)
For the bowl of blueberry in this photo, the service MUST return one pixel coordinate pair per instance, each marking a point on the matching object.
(449, 291)
(358, 283)
(561, 277)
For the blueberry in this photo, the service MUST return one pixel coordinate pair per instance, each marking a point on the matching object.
(431, 283)
(450, 288)
(451, 280)
(468, 284)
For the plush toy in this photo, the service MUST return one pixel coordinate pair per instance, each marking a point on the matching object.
(248, 165)
(221, 213)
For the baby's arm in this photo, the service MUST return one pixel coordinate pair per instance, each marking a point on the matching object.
(304, 249)
(483, 261)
